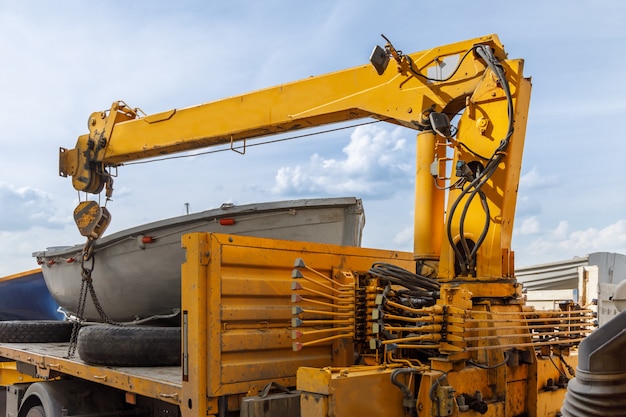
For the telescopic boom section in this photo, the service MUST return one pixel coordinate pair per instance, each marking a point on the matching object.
(416, 92)
(397, 96)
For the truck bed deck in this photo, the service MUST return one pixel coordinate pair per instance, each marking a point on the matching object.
(49, 360)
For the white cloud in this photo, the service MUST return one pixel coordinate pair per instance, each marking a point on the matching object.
(534, 198)
(609, 238)
(377, 163)
(529, 226)
(535, 180)
(562, 243)
(25, 208)
(561, 231)
(404, 238)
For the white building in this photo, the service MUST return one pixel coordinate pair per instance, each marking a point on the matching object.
(590, 281)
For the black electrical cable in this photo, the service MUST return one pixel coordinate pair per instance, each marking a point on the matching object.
(403, 277)
(472, 152)
(476, 186)
(569, 368)
(436, 383)
(471, 254)
(409, 398)
(494, 64)
(561, 372)
(457, 252)
(483, 234)
(496, 67)
(417, 74)
(425, 77)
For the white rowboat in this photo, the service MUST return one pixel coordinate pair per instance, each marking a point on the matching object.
(136, 272)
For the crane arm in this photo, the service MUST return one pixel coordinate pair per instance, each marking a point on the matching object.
(397, 96)
(422, 91)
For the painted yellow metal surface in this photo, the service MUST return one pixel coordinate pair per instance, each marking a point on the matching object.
(10, 375)
(488, 102)
(237, 312)
(351, 392)
(369, 391)
(429, 198)
(396, 96)
(238, 339)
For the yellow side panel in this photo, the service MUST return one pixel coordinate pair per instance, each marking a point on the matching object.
(237, 306)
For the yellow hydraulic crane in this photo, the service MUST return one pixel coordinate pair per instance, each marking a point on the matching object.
(421, 91)
(449, 336)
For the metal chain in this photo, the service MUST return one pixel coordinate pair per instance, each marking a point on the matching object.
(86, 285)
(79, 318)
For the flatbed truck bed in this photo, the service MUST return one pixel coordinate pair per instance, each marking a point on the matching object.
(49, 360)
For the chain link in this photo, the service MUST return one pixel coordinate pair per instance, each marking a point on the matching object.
(87, 256)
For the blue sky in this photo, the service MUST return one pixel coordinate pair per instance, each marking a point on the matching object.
(63, 60)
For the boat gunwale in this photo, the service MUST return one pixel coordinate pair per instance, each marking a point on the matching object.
(19, 275)
(224, 211)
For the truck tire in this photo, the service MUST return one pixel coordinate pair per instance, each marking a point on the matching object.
(36, 331)
(36, 411)
(129, 346)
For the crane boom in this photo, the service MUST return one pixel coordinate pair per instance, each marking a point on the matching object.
(397, 96)
(423, 91)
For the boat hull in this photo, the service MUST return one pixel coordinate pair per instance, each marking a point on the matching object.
(136, 273)
(25, 296)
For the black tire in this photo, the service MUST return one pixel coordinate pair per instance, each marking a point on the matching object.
(36, 411)
(129, 346)
(36, 331)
